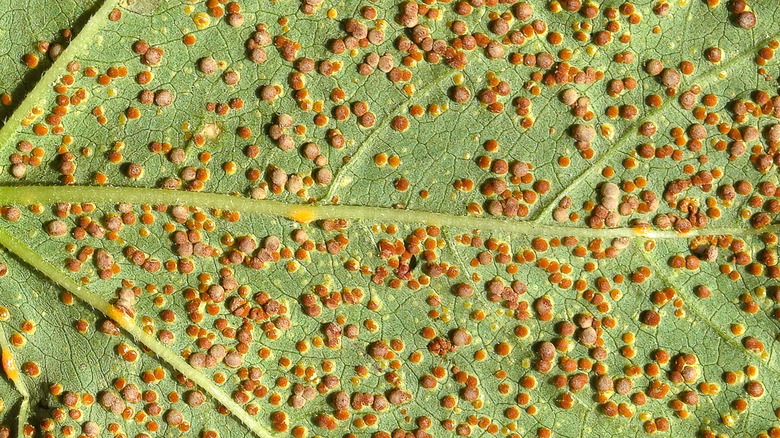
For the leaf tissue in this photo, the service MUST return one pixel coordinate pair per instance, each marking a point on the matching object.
(389, 218)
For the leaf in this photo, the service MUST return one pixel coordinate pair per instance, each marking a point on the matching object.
(382, 219)
(31, 36)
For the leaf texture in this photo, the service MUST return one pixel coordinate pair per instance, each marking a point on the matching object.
(390, 219)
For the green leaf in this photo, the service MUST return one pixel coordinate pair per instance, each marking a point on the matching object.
(31, 37)
(382, 219)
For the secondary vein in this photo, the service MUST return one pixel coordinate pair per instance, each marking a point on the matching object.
(627, 135)
(43, 87)
(36, 261)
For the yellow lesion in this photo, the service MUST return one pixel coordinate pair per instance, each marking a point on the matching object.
(120, 317)
(9, 366)
(201, 20)
(303, 214)
(211, 131)
(641, 229)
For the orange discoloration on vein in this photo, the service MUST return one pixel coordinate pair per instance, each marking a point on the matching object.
(120, 317)
(9, 366)
(642, 229)
(303, 215)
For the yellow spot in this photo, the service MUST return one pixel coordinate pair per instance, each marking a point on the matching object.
(9, 366)
(120, 317)
(201, 20)
(642, 229)
(188, 9)
(458, 78)
(591, 50)
(607, 130)
(302, 215)
(332, 13)
(211, 131)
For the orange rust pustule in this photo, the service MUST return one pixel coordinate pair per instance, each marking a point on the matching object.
(303, 215)
(9, 366)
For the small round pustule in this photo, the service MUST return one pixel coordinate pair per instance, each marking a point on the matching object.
(623, 386)
(207, 65)
(460, 337)
(56, 228)
(690, 397)
(546, 351)
(163, 98)
(195, 398)
(588, 336)
(323, 176)
(233, 359)
(746, 20)
(494, 50)
(583, 133)
(340, 400)
(604, 383)
(174, 417)
(654, 67)
(651, 318)
(755, 388)
(90, 429)
(153, 56)
(398, 397)
(714, 54)
(670, 77)
(230, 77)
(773, 134)
(464, 290)
(460, 94)
(610, 190)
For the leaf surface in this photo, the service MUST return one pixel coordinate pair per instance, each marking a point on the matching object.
(380, 219)
(31, 37)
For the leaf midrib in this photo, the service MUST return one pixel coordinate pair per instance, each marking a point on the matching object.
(30, 257)
(304, 213)
(701, 79)
(36, 194)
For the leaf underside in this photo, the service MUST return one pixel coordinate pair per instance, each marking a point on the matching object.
(389, 219)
